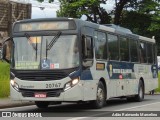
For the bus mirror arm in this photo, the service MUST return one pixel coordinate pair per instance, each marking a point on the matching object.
(4, 54)
(87, 63)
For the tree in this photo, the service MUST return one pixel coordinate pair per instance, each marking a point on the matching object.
(137, 22)
(144, 20)
(152, 8)
(90, 8)
(118, 10)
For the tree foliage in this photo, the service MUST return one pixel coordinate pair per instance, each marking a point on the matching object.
(152, 8)
(144, 20)
(118, 10)
(90, 8)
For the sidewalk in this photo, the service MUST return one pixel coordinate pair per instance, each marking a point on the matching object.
(8, 103)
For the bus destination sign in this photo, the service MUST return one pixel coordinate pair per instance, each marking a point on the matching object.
(52, 25)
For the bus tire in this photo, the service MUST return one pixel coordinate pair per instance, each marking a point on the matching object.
(140, 96)
(42, 104)
(100, 97)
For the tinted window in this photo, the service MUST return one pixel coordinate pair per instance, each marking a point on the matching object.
(113, 46)
(154, 54)
(101, 45)
(143, 57)
(124, 49)
(149, 53)
(133, 51)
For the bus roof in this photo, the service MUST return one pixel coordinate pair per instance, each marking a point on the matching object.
(106, 27)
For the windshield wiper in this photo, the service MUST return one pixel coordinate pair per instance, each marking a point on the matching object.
(53, 41)
(30, 41)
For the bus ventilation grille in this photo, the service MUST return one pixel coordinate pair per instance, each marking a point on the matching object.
(40, 75)
(49, 93)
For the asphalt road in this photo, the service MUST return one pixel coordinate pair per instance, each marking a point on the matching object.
(114, 107)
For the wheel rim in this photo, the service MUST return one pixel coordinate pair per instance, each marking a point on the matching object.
(100, 96)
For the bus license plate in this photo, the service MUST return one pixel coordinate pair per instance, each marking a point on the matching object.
(40, 95)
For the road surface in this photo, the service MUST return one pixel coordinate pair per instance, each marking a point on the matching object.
(114, 107)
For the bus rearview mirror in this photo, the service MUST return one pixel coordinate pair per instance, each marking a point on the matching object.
(5, 51)
(87, 48)
(1, 54)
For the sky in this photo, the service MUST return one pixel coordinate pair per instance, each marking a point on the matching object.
(48, 10)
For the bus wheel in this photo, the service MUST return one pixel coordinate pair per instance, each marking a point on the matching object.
(101, 97)
(41, 104)
(140, 95)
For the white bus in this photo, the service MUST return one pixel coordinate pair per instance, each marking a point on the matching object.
(70, 60)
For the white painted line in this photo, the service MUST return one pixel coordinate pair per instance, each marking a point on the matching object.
(77, 118)
(136, 106)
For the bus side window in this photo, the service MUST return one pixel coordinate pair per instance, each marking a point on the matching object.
(134, 50)
(143, 57)
(113, 46)
(124, 49)
(154, 54)
(101, 45)
(150, 52)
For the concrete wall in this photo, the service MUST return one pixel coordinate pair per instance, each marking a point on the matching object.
(9, 13)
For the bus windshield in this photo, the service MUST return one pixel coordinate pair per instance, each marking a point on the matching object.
(63, 54)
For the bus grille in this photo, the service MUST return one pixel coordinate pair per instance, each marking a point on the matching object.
(40, 75)
(49, 93)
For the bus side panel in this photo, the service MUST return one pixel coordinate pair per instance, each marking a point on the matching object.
(148, 74)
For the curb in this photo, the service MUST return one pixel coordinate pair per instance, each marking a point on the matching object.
(11, 105)
(15, 105)
(152, 94)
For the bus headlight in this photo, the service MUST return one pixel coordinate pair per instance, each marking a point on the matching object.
(71, 83)
(14, 85)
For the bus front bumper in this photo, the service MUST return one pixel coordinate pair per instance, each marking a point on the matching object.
(79, 92)
(73, 94)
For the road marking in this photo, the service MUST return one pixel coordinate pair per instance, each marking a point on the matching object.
(79, 118)
(104, 113)
(136, 106)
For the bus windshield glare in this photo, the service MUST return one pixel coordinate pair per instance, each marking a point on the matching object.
(63, 54)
